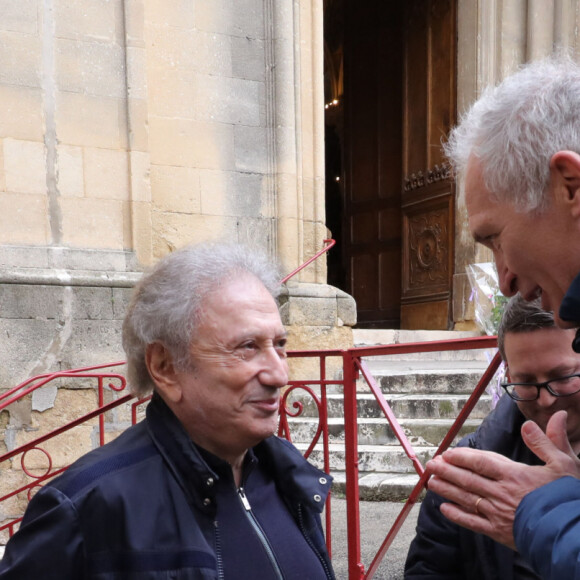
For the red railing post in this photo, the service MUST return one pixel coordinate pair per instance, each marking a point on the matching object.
(355, 567)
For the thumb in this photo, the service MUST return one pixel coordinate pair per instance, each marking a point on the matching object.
(556, 431)
(547, 445)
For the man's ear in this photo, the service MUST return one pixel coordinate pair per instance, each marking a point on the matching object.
(162, 370)
(565, 172)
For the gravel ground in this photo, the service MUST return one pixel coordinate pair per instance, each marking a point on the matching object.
(376, 519)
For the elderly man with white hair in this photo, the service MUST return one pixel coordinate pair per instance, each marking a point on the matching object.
(201, 488)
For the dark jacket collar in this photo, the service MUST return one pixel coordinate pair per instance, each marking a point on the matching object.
(570, 307)
(297, 480)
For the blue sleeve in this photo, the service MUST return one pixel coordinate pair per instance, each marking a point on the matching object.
(547, 529)
(435, 552)
(48, 544)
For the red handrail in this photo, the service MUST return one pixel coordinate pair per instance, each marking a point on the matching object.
(329, 243)
(353, 366)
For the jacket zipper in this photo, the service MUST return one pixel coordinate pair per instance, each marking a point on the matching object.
(259, 532)
(311, 544)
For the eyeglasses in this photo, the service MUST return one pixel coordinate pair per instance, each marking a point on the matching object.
(560, 387)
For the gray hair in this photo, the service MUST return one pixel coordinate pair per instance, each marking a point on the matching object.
(166, 304)
(520, 316)
(515, 128)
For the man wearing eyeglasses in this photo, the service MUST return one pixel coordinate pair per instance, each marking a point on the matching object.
(542, 377)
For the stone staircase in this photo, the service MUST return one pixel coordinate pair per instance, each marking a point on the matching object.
(426, 391)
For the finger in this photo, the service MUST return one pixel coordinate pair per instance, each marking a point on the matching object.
(548, 446)
(455, 493)
(485, 463)
(557, 432)
(477, 523)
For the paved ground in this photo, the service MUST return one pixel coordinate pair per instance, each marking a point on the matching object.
(375, 521)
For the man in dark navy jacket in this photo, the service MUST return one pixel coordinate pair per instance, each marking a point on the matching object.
(517, 151)
(542, 377)
(201, 489)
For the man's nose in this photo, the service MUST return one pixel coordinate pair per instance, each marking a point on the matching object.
(546, 399)
(508, 283)
(274, 372)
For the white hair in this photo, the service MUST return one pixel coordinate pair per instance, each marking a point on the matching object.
(515, 128)
(167, 302)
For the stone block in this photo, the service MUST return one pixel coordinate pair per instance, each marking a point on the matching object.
(136, 72)
(2, 173)
(172, 92)
(176, 189)
(240, 18)
(251, 149)
(317, 338)
(173, 230)
(232, 193)
(13, 507)
(27, 301)
(21, 113)
(93, 304)
(140, 164)
(309, 209)
(135, 22)
(81, 19)
(90, 121)
(227, 100)
(346, 309)
(183, 49)
(285, 149)
(288, 243)
(92, 342)
(309, 312)
(286, 195)
(94, 68)
(106, 173)
(63, 449)
(15, 361)
(142, 232)
(97, 260)
(23, 219)
(191, 144)
(139, 124)
(20, 55)
(70, 171)
(121, 299)
(248, 58)
(21, 16)
(92, 223)
(25, 166)
(27, 256)
(256, 232)
(177, 14)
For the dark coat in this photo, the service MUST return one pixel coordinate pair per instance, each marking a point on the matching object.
(148, 506)
(444, 550)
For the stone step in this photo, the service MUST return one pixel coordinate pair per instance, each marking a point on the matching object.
(371, 458)
(378, 486)
(377, 431)
(403, 405)
(377, 337)
(419, 376)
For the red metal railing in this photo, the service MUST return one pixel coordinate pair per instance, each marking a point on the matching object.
(110, 391)
(353, 367)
